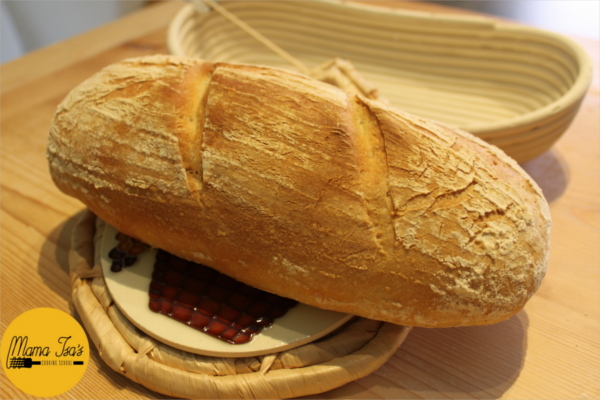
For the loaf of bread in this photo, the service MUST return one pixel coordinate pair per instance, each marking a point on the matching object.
(296, 187)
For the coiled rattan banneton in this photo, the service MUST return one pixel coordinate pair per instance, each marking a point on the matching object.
(352, 352)
(513, 86)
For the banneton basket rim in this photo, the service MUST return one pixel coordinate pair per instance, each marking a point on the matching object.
(530, 120)
(354, 351)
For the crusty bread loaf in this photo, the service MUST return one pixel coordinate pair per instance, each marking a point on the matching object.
(298, 188)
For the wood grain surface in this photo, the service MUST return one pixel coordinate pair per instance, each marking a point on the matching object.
(549, 350)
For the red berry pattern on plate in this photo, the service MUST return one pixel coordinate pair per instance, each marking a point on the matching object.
(211, 302)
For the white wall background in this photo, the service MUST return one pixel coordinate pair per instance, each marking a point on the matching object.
(27, 25)
(569, 17)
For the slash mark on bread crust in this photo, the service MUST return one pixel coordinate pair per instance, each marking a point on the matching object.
(388, 190)
(374, 167)
(200, 123)
(191, 147)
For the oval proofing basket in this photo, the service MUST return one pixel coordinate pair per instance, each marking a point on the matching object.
(513, 86)
(353, 351)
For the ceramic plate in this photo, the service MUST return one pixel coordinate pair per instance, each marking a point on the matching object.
(129, 289)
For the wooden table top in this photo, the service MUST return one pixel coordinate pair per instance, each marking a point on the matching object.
(548, 350)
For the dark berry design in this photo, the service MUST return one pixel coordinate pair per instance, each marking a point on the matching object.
(126, 252)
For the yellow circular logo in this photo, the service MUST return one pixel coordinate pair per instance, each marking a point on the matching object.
(44, 352)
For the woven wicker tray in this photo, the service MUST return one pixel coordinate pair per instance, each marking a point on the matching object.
(516, 87)
(352, 352)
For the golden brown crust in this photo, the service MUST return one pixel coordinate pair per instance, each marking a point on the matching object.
(301, 189)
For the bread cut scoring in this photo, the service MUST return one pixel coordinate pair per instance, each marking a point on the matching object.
(298, 188)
